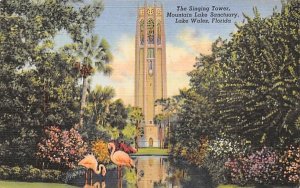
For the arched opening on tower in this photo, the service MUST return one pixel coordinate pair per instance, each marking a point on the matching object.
(150, 142)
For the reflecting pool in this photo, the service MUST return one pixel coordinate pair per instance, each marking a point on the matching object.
(151, 172)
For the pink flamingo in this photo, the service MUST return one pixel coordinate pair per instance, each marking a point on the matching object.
(120, 158)
(90, 162)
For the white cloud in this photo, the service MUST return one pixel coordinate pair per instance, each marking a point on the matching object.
(180, 60)
(195, 40)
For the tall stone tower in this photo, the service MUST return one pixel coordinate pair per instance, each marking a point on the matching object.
(150, 70)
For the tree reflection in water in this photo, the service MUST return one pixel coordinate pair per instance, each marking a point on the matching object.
(185, 175)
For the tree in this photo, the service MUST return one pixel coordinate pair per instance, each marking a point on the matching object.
(117, 115)
(169, 107)
(136, 117)
(37, 83)
(99, 101)
(159, 120)
(96, 113)
(92, 56)
(197, 116)
(260, 94)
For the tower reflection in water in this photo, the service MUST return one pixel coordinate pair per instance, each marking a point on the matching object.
(152, 171)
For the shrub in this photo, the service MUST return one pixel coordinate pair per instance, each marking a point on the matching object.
(29, 173)
(32, 173)
(218, 152)
(61, 147)
(265, 166)
(99, 148)
(16, 171)
(256, 167)
(290, 164)
(74, 173)
(4, 171)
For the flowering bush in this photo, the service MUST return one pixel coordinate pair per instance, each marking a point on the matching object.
(221, 147)
(265, 166)
(290, 164)
(99, 148)
(61, 147)
(257, 167)
(218, 151)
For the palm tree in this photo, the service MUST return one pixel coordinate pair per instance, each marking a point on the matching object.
(100, 99)
(159, 120)
(92, 56)
(136, 117)
(117, 115)
(169, 108)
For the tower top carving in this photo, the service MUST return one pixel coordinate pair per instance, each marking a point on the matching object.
(150, 10)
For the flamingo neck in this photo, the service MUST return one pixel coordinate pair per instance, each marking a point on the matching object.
(112, 153)
(98, 171)
(102, 169)
(113, 150)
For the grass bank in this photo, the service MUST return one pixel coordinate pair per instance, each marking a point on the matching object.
(14, 184)
(228, 186)
(152, 151)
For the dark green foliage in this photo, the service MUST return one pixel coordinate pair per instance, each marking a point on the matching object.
(198, 115)
(135, 116)
(29, 173)
(38, 85)
(259, 98)
(188, 175)
(246, 91)
(117, 115)
(92, 132)
(102, 114)
(96, 113)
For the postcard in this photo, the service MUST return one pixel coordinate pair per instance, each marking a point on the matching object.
(149, 93)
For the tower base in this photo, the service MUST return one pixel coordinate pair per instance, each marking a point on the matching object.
(151, 137)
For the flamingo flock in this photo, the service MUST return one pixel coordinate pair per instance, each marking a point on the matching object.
(119, 156)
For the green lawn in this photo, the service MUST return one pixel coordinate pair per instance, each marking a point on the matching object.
(228, 186)
(152, 151)
(14, 184)
(231, 186)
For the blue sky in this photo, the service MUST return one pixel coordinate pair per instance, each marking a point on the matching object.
(184, 41)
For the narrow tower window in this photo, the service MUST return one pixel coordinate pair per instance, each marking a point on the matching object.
(150, 60)
(150, 53)
(150, 31)
(158, 33)
(142, 32)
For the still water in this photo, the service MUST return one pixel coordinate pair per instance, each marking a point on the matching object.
(151, 172)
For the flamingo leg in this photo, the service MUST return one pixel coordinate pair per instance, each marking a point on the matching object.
(119, 183)
(117, 173)
(86, 177)
(91, 177)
